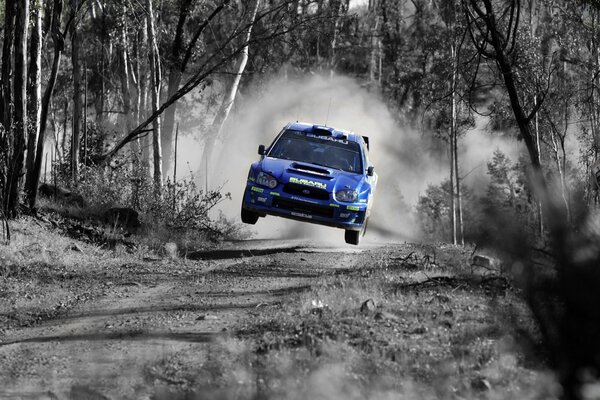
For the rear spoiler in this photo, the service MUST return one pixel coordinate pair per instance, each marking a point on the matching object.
(366, 139)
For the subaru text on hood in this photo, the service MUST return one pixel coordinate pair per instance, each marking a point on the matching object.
(315, 174)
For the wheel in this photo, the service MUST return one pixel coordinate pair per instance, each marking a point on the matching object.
(352, 237)
(249, 217)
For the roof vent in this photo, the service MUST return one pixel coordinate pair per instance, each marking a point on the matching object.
(322, 130)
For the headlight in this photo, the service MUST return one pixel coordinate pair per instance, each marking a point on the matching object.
(266, 180)
(347, 196)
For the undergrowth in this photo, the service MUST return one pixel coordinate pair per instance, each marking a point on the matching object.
(183, 214)
(383, 331)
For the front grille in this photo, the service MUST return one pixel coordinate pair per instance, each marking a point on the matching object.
(313, 209)
(306, 191)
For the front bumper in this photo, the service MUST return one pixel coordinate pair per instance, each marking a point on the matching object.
(265, 201)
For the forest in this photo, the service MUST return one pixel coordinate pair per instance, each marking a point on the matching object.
(97, 96)
(93, 92)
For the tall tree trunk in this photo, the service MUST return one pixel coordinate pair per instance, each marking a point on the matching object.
(100, 69)
(125, 80)
(7, 65)
(454, 134)
(373, 63)
(592, 102)
(7, 99)
(339, 10)
(459, 212)
(227, 103)
(77, 106)
(452, 196)
(454, 181)
(34, 101)
(15, 169)
(176, 68)
(46, 100)
(63, 139)
(540, 212)
(143, 60)
(156, 81)
(561, 158)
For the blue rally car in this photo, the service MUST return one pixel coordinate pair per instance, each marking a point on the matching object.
(315, 174)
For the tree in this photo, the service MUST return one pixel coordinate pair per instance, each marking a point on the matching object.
(8, 178)
(155, 78)
(77, 92)
(180, 57)
(433, 212)
(493, 30)
(227, 102)
(34, 100)
(224, 51)
(58, 39)
(125, 75)
(16, 118)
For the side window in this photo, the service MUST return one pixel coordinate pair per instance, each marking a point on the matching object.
(366, 160)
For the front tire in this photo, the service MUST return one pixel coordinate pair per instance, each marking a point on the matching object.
(352, 237)
(249, 217)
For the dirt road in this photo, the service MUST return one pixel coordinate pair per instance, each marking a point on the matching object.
(106, 347)
(260, 319)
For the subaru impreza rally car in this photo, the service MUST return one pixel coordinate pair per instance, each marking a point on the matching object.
(315, 174)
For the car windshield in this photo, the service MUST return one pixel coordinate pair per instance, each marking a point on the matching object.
(326, 151)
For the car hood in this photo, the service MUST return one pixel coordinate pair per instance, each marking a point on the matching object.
(312, 175)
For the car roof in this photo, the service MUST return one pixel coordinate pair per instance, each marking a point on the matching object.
(311, 128)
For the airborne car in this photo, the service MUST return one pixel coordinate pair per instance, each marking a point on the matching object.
(316, 174)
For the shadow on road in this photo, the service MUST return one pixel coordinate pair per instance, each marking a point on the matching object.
(193, 337)
(222, 254)
(283, 271)
(268, 292)
(116, 312)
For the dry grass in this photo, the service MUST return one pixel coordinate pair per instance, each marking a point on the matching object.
(44, 273)
(427, 338)
(438, 330)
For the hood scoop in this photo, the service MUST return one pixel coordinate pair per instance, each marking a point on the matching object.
(310, 170)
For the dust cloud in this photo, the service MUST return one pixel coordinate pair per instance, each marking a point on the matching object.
(405, 160)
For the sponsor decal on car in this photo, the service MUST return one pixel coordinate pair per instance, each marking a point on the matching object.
(330, 138)
(257, 189)
(353, 208)
(274, 194)
(297, 214)
(308, 182)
